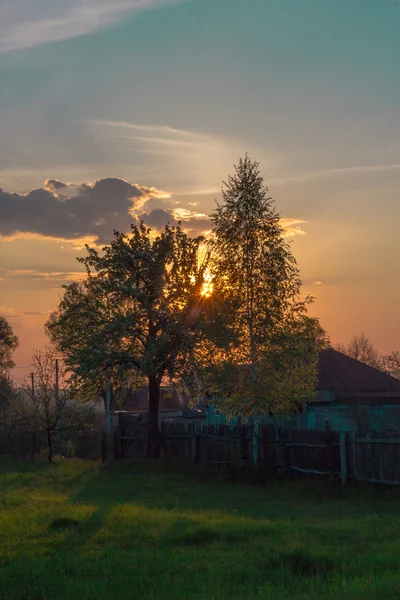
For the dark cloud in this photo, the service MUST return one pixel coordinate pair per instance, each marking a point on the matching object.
(158, 218)
(70, 212)
(193, 223)
(54, 184)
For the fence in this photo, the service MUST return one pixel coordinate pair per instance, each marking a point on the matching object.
(329, 454)
(375, 458)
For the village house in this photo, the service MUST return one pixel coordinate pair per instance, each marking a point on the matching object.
(351, 396)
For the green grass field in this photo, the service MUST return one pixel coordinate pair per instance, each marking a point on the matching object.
(142, 530)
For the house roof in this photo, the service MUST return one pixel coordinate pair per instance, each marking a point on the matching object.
(139, 401)
(346, 375)
(169, 401)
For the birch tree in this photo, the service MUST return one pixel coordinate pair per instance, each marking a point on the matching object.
(272, 353)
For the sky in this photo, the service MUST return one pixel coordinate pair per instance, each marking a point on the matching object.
(114, 109)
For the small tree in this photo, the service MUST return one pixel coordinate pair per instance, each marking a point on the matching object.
(49, 407)
(361, 348)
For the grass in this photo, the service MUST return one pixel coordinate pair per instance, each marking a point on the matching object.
(147, 530)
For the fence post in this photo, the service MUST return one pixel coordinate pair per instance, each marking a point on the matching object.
(354, 456)
(261, 446)
(162, 437)
(284, 454)
(33, 446)
(103, 447)
(116, 444)
(343, 457)
(194, 445)
(329, 452)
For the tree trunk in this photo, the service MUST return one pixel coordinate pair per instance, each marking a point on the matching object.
(49, 447)
(153, 442)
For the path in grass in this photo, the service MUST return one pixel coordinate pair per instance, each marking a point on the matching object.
(155, 531)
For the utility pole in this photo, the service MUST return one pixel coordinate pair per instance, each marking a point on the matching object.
(57, 395)
(32, 376)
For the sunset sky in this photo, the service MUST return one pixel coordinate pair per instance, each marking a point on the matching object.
(113, 107)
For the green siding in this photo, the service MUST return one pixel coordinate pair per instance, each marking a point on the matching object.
(340, 417)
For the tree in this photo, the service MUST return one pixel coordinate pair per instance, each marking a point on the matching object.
(271, 346)
(81, 311)
(361, 348)
(391, 363)
(8, 343)
(50, 407)
(143, 303)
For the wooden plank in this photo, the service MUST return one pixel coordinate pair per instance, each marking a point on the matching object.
(343, 458)
(300, 445)
(394, 441)
(312, 471)
(383, 482)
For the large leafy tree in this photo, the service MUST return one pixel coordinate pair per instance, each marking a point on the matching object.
(270, 352)
(139, 311)
(8, 343)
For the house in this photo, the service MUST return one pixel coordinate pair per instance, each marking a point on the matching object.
(351, 396)
(171, 408)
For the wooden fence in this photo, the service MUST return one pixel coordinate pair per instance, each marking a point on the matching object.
(374, 458)
(329, 454)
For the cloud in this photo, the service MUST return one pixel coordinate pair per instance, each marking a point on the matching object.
(27, 317)
(189, 162)
(72, 212)
(192, 223)
(33, 274)
(18, 280)
(28, 23)
(158, 129)
(195, 223)
(158, 218)
(292, 227)
(54, 184)
(89, 212)
(351, 170)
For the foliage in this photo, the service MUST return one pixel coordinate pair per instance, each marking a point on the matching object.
(8, 343)
(90, 357)
(137, 314)
(391, 363)
(268, 358)
(7, 392)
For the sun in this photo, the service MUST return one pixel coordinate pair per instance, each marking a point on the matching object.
(208, 286)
